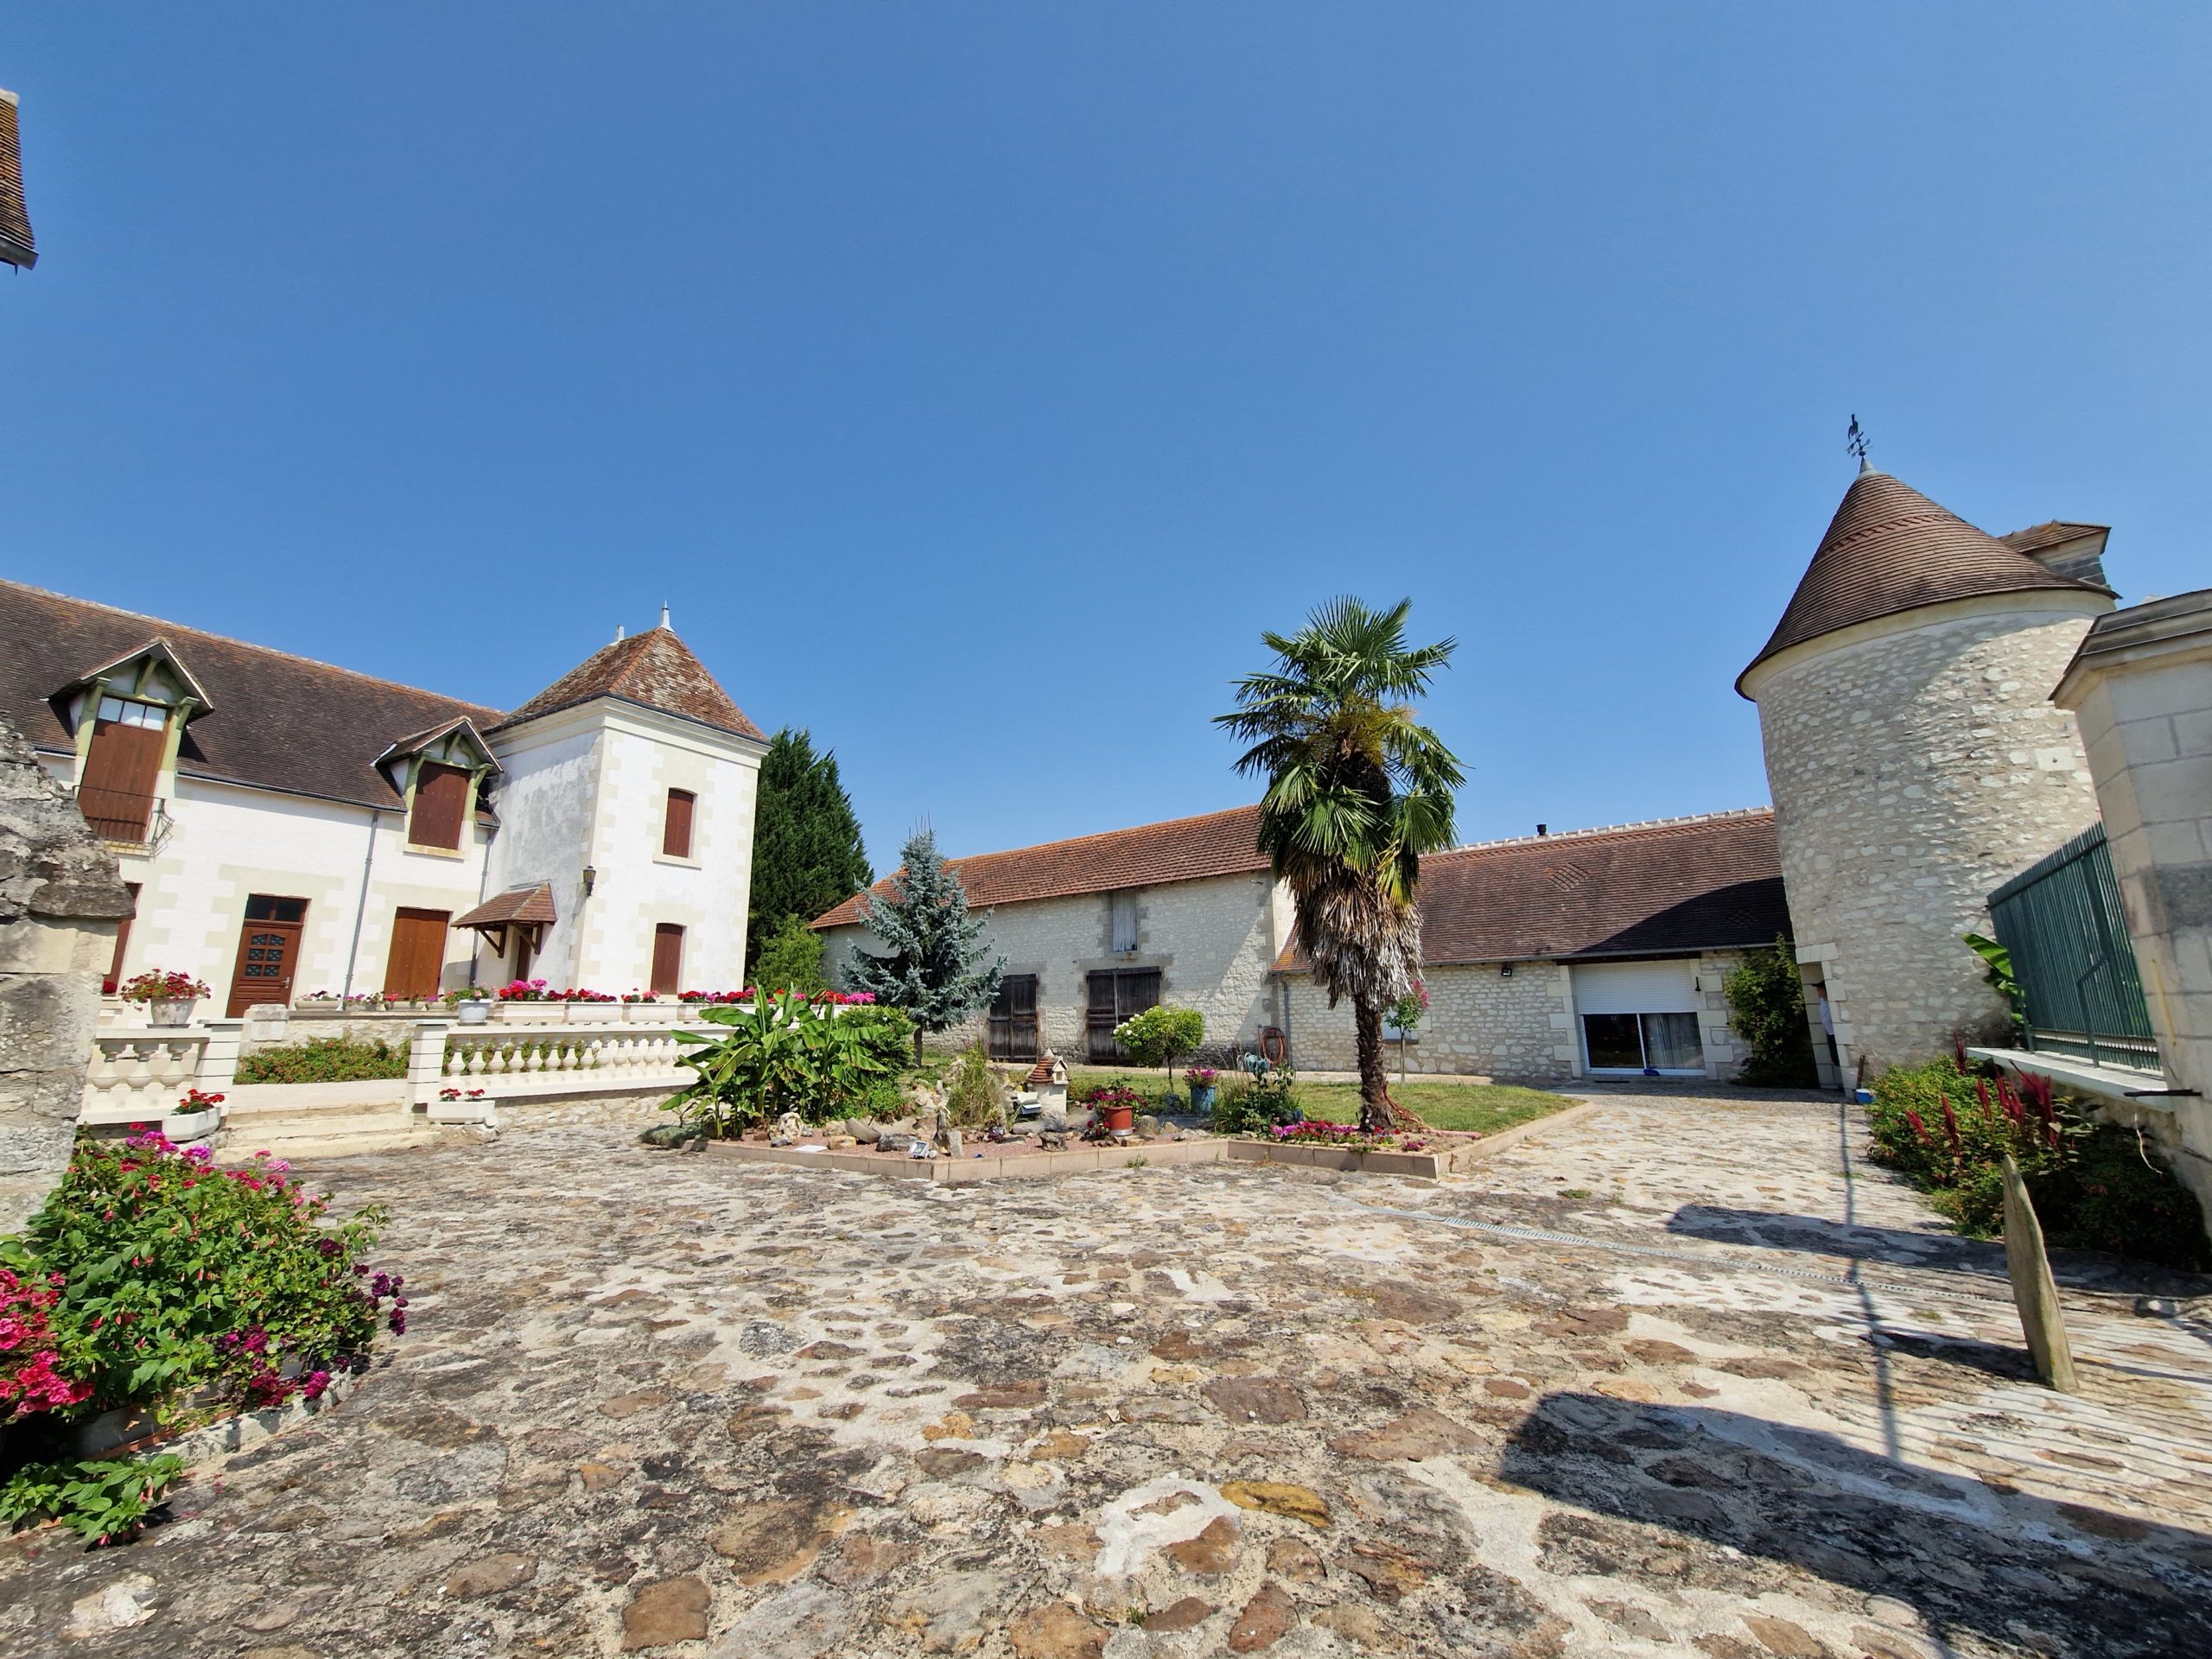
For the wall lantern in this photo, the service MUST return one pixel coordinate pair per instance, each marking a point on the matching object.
(1505, 970)
(590, 877)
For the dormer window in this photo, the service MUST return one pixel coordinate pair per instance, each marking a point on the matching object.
(115, 792)
(441, 806)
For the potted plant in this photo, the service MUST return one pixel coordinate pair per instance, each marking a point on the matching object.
(167, 995)
(1200, 1080)
(471, 1004)
(1113, 1109)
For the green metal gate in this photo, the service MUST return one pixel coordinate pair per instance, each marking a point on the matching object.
(2061, 920)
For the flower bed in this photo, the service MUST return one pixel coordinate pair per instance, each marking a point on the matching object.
(153, 1283)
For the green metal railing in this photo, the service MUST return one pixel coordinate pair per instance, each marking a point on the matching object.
(2061, 920)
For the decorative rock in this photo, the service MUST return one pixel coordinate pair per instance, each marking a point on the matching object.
(1057, 1630)
(774, 1542)
(2033, 1289)
(804, 1621)
(863, 1129)
(1147, 1126)
(489, 1574)
(1053, 1141)
(1279, 1497)
(952, 1146)
(891, 1140)
(117, 1606)
(1422, 1433)
(674, 1610)
(1255, 1398)
(1212, 1552)
(1054, 1122)
(1780, 1637)
(1267, 1618)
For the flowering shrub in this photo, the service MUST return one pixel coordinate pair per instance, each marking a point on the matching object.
(199, 1100)
(523, 990)
(2095, 1187)
(29, 1381)
(1328, 1135)
(453, 999)
(167, 1272)
(1254, 1105)
(1200, 1076)
(157, 985)
(773, 1058)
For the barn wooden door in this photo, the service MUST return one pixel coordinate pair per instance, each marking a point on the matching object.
(269, 951)
(116, 792)
(418, 952)
(1013, 1019)
(1115, 996)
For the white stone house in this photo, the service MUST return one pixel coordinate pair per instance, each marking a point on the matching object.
(288, 828)
(1600, 952)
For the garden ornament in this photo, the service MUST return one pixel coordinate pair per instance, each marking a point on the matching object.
(788, 1130)
(918, 1147)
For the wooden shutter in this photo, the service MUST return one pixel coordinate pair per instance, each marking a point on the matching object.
(1135, 992)
(115, 793)
(418, 952)
(122, 940)
(668, 958)
(441, 798)
(676, 829)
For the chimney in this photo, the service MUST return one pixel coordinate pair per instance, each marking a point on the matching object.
(1543, 829)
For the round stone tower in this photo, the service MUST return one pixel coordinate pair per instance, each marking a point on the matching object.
(1916, 760)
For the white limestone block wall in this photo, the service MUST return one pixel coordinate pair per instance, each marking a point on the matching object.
(1213, 941)
(1484, 1022)
(1916, 764)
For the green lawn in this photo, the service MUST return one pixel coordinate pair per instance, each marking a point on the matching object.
(1486, 1108)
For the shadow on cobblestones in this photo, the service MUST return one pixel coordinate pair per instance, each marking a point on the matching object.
(1971, 1558)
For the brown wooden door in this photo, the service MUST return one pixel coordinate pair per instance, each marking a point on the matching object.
(668, 958)
(418, 952)
(115, 793)
(269, 951)
(1013, 1019)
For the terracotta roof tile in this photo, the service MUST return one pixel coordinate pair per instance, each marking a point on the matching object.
(279, 721)
(2052, 532)
(1669, 888)
(1890, 549)
(655, 669)
(1149, 855)
(17, 245)
(531, 904)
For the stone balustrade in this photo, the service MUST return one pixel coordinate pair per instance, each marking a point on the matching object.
(610, 1052)
(141, 1074)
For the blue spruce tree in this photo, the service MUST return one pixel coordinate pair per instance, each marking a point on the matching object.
(935, 968)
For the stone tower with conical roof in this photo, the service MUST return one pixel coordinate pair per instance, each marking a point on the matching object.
(1914, 757)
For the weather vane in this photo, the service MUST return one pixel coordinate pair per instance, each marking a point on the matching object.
(1856, 442)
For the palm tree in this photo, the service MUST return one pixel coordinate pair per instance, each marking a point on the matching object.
(1357, 789)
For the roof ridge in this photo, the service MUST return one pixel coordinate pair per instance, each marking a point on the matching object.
(1634, 826)
(1101, 835)
(289, 656)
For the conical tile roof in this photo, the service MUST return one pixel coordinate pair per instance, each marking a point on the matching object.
(653, 669)
(1890, 549)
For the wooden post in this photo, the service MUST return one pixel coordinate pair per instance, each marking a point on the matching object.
(2033, 1289)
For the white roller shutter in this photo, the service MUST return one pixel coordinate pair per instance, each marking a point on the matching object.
(1663, 987)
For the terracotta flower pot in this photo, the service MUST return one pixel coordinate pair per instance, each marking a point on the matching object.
(1117, 1120)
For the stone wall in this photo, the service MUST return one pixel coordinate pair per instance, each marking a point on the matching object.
(1484, 1022)
(1916, 764)
(2142, 689)
(61, 899)
(1213, 941)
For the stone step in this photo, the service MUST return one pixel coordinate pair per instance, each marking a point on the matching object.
(324, 1143)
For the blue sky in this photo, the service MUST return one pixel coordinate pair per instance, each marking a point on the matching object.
(977, 380)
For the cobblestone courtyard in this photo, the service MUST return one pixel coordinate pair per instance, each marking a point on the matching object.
(1670, 1380)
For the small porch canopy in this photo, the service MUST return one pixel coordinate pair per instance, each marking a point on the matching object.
(526, 911)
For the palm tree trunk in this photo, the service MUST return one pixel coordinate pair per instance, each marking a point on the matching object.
(1375, 1111)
